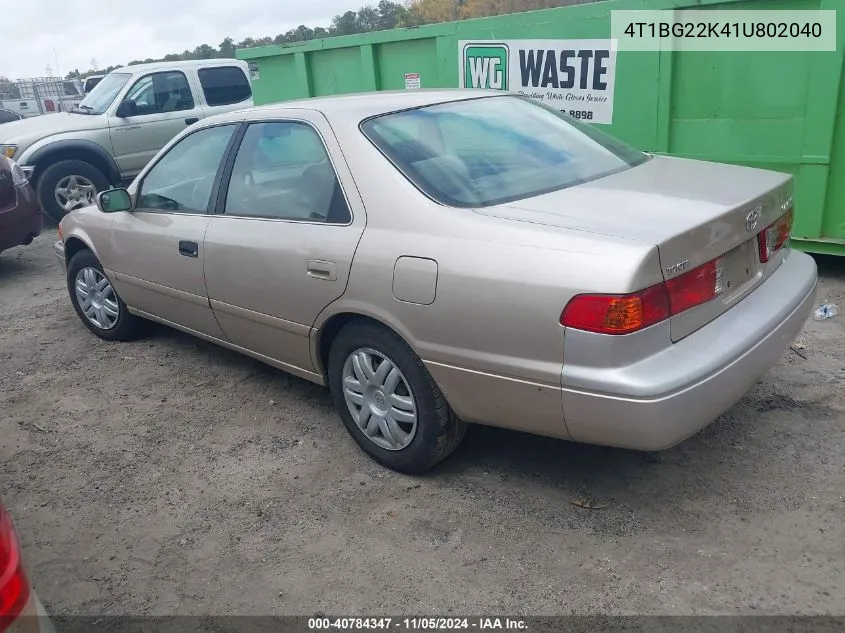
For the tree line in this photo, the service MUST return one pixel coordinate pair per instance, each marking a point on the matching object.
(386, 15)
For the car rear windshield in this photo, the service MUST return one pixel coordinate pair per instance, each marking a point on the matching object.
(492, 150)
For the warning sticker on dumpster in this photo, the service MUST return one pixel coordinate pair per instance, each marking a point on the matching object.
(574, 76)
(412, 81)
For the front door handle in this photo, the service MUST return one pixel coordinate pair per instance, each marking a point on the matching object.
(320, 269)
(189, 249)
(191, 120)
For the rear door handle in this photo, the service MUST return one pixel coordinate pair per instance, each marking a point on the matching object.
(191, 120)
(320, 269)
(189, 249)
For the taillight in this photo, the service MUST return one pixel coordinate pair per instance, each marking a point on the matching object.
(623, 314)
(617, 314)
(775, 236)
(18, 177)
(14, 588)
(695, 287)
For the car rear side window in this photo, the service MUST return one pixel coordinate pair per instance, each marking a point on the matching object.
(282, 171)
(492, 150)
(182, 180)
(224, 85)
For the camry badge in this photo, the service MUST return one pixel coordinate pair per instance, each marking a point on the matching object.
(752, 219)
(676, 268)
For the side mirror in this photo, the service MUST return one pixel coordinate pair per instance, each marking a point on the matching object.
(125, 109)
(114, 200)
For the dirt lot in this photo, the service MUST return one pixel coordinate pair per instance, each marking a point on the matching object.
(169, 476)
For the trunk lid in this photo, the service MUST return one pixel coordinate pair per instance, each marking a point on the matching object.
(692, 211)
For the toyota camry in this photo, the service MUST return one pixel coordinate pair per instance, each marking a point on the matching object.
(439, 258)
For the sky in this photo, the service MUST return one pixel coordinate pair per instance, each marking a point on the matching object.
(118, 31)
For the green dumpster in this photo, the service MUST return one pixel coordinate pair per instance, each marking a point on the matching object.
(776, 110)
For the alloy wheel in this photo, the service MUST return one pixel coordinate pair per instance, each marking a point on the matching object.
(75, 192)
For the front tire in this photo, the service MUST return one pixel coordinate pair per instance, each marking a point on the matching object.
(388, 401)
(68, 185)
(96, 301)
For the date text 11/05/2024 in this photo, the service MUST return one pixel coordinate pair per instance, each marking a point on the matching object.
(417, 624)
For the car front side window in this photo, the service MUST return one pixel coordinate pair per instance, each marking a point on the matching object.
(161, 92)
(183, 178)
(282, 171)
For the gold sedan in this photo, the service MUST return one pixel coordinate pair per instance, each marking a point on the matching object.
(451, 257)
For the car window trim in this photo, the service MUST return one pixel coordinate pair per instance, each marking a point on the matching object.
(209, 208)
(162, 72)
(219, 209)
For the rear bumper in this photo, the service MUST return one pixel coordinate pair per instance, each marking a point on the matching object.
(655, 402)
(33, 618)
(59, 250)
(22, 222)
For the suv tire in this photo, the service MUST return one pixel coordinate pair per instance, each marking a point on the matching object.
(61, 171)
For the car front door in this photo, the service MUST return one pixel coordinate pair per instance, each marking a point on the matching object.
(156, 249)
(280, 246)
(163, 104)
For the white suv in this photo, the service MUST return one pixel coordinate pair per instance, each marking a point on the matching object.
(120, 125)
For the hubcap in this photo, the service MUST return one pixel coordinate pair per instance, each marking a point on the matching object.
(75, 192)
(97, 298)
(379, 399)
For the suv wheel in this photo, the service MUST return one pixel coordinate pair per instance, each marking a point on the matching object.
(69, 185)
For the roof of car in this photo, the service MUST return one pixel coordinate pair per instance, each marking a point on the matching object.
(360, 106)
(181, 63)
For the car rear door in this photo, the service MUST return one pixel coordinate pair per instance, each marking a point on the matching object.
(156, 249)
(164, 105)
(280, 247)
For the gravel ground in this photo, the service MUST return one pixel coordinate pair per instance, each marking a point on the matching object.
(168, 476)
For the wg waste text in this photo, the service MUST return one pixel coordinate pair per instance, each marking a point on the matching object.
(575, 76)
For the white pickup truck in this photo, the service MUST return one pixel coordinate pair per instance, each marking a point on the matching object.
(40, 95)
(120, 125)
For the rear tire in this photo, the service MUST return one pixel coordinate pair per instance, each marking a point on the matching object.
(96, 301)
(80, 180)
(366, 404)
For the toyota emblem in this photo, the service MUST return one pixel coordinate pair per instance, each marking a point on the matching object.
(752, 219)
